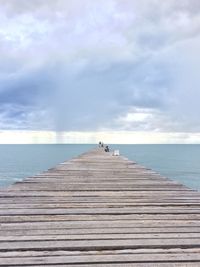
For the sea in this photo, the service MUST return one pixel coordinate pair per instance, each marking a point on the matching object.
(177, 162)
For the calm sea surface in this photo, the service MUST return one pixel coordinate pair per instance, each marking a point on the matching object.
(179, 162)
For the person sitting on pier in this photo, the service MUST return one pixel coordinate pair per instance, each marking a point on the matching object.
(107, 149)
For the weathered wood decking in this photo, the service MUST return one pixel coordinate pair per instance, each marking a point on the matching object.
(99, 210)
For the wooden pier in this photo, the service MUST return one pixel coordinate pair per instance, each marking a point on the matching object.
(99, 210)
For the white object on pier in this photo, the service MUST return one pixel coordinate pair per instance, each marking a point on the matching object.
(116, 153)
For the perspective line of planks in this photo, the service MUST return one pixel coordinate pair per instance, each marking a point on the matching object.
(99, 210)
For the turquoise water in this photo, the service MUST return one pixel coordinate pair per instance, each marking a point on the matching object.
(178, 162)
(20, 161)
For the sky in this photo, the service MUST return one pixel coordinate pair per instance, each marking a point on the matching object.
(79, 71)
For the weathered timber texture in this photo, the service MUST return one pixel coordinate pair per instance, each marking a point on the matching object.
(99, 210)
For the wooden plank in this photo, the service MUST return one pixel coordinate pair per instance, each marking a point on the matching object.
(93, 193)
(97, 211)
(50, 253)
(99, 224)
(111, 244)
(93, 259)
(97, 236)
(80, 217)
(120, 265)
(82, 231)
(103, 206)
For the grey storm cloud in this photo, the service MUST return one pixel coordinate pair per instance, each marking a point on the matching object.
(92, 65)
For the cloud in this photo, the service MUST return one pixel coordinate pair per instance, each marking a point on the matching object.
(83, 66)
